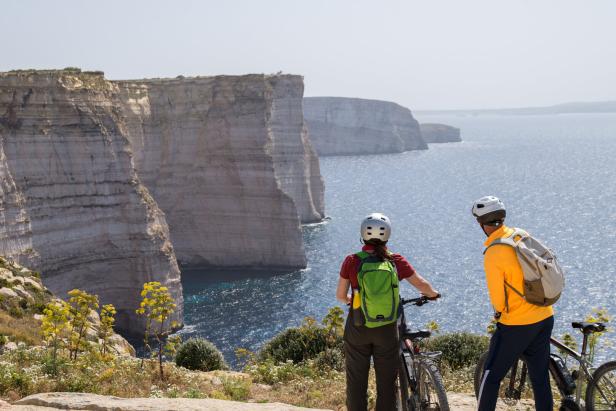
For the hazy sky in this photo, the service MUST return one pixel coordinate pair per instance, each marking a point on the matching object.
(430, 54)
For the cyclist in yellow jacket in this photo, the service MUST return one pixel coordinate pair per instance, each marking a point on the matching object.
(523, 329)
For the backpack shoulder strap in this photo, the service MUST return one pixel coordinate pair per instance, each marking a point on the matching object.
(362, 255)
(511, 240)
(514, 289)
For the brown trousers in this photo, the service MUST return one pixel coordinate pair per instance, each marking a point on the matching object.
(360, 344)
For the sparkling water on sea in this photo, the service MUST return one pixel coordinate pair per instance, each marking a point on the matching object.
(556, 174)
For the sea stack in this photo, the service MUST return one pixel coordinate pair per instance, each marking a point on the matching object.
(72, 205)
(351, 126)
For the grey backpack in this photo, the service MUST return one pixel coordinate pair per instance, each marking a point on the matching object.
(544, 279)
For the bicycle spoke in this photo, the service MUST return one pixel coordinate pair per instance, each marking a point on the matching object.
(427, 388)
(606, 388)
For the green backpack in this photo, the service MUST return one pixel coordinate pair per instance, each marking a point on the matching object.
(378, 290)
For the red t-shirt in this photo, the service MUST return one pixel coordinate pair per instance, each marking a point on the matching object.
(350, 267)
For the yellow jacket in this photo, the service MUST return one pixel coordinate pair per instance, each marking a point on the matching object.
(501, 263)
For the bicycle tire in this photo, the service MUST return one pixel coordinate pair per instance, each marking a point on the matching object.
(403, 387)
(599, 385)
(479, 373)
(431, 386)
(506, 393)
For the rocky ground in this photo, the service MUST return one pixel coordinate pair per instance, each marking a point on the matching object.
(79, 401)
(22, 300)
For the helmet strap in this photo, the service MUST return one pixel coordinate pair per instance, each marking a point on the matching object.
(498, 223)
(484, 229)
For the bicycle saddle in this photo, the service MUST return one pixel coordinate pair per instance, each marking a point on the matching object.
(418, 335)
(588, 328)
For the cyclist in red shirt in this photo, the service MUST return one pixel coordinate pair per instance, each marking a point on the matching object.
(362, 343)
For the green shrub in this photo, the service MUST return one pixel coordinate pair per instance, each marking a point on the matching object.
(459, 349)
(16, 312)
(296, 344)
(236, 389)
(200, 354)
(330, 359)
(270, 373)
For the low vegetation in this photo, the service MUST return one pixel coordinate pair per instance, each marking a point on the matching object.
(54, 347)
(201, 355)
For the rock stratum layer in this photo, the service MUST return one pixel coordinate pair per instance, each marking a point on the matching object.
(440, 133)
(229, 161)
(350, 126)
(71, 203)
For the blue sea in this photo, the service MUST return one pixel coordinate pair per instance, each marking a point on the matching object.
(556, 174)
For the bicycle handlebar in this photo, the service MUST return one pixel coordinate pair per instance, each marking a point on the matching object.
(418, 301)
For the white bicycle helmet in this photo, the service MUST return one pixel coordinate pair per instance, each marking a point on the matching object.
(489, 210)
(375, 226)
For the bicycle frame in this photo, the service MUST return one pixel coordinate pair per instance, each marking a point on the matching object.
(570, 395)
(581, 358)
(408, 348)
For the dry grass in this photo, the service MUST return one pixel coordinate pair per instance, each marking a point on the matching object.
(25, 329)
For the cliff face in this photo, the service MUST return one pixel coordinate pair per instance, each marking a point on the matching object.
(295, 161)
(228, 161)
(71, 203)
(347, 126)
(440, 133)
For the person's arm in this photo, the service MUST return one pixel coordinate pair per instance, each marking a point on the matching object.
(344, 281)
(422, 285)
(408, 273)
(342, 292)
(495, 278)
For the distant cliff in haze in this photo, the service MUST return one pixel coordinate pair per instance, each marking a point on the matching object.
(348, 126)
(565, 108)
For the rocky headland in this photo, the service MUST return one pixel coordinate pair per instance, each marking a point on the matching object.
(228, 160)
(71, 203)
(351, 126)
(440, 133)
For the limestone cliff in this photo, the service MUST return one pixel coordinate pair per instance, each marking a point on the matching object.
(295, 161)
(440, 133)
(347, 126)
(71, 204)
(228, 161)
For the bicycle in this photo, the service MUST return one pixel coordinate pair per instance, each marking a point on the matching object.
(600, 384)
(420, 382)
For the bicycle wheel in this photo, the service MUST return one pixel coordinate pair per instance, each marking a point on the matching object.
(601, 390)
(431, 391)
(403, 386)
(513, 387)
